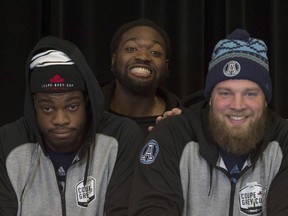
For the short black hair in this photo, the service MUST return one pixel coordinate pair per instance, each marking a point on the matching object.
(140, 22)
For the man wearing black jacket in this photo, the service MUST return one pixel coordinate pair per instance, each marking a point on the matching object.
(140, 56)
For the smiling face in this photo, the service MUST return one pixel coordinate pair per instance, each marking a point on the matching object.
(237, 115)
(140, 63)
(62, 119)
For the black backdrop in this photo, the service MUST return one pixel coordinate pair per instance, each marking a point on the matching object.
(194, 26)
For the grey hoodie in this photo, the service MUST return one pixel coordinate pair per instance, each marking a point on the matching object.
(99, 179)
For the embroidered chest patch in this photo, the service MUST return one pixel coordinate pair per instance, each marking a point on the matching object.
(251, 198)
(86, 194)
(149, 152)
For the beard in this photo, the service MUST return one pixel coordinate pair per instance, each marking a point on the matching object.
(137, 87)
(237, 140)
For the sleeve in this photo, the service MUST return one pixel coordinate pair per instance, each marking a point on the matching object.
(130, 139)
(156, 189)
(277, 200)
(8, 199)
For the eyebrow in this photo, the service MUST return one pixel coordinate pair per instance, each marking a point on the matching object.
(245, 89)
(43, 100)
(135, 39)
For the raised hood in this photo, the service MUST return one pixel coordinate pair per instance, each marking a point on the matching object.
(93, 89)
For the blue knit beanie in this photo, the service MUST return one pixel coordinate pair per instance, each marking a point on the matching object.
(239, 57)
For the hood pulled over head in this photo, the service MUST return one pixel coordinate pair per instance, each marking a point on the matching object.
(57, 65)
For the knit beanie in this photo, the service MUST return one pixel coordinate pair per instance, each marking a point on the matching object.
(53, 71)
(239, 57)
(140, 22)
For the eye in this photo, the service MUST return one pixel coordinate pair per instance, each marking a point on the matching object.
(73, 107)
(250, 94)
(224, 93)
(130, 49)
(156, 53)
(47, 109)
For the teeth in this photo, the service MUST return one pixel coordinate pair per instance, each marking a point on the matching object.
(140, 70)
(237, 118)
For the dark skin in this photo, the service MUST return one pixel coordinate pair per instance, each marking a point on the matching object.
(62, 119)
(140, 65)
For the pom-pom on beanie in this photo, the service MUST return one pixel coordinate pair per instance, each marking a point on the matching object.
(239, 57)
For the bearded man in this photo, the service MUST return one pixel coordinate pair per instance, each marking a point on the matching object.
(140, 52)
(225, 155)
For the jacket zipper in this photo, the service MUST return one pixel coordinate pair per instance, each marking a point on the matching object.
(63, 203)
(232, 194)
(62, 194)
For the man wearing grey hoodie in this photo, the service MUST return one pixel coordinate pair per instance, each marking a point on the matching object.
(65, 156)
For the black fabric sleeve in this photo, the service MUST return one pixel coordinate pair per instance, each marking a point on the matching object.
(8, 199)
(157, 189)
(130, 138)
(277, 197)
(277, 200)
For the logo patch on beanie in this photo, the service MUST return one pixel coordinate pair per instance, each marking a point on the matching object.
(57, 79)
(231, 68)
(55, 84)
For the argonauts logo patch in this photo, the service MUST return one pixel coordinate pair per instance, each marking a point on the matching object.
(149, 152)
(251, 198)
(231, 68)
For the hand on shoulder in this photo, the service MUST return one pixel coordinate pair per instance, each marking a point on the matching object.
(173, 112)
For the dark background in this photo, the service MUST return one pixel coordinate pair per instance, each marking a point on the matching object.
(194, 26)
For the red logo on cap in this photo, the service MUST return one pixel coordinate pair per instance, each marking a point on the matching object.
(57, 79)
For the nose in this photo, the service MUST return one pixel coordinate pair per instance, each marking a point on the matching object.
(60, 118)
(238, 102)
(143, 55)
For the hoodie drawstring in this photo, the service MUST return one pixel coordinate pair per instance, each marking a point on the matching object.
(87, 168)
(211, 174)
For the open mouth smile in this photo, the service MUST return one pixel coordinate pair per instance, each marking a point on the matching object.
(140, 71)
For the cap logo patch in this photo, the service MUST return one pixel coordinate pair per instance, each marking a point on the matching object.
(57, 79)
(231, 68)
(56, 83)
(251, 198)
(149, 152)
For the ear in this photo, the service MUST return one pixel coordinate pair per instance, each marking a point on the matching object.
(210, 101)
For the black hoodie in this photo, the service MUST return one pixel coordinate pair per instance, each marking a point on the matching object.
(99, 179)
(93, 89)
